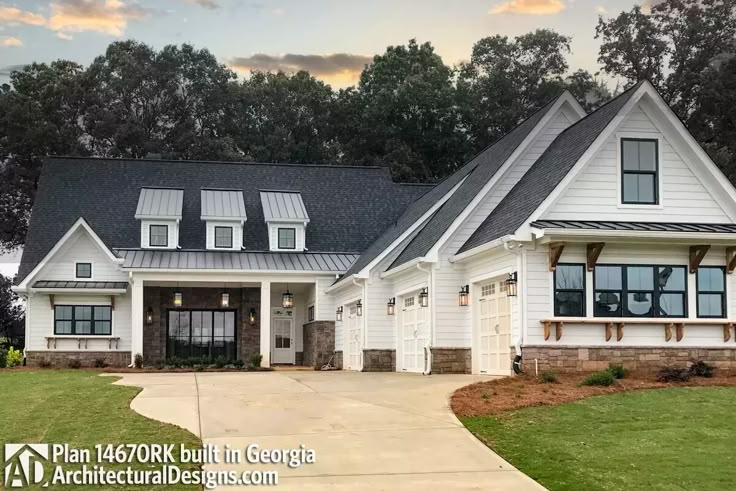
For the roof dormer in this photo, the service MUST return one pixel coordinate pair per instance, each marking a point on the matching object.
(223, 210)
(159, 210)
(287, 219)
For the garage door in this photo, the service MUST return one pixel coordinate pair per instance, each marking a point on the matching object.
(494, 328)
(413, 335)
(353, 333)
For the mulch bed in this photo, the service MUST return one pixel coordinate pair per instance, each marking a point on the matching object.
(526, 390)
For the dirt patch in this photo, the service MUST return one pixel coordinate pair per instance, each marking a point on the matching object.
(496, 396)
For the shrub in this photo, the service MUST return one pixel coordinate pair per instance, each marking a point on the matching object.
(44, 363)
(13, 358)
(604, 379)
(220, 362)
(100, 363)
(138, 360)
(617, 370)
(485, 396)
(255, 360)
(159, 364)
(238, 363)
(548, 377)
(3, 357)
(74, 363)
(673, 374)
(701, 369)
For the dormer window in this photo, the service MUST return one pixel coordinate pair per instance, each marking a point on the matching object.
(159, 236)
(159, 210)
(287, 238)
(83, 271)
(639, 171)
(287, 219)
(223, 211)
(223, 237)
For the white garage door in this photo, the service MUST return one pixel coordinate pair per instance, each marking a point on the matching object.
(353, 334)
(413, 335)
(494, 328)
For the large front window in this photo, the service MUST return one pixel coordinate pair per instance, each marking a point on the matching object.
(201, 333)
(85, 320)
(639, 168)
(640, 291)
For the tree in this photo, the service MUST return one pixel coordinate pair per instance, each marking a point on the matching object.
(12, 318)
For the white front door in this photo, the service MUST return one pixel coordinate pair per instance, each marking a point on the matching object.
(283, 340)
(353, 341)
(494, 329)
(413, 335)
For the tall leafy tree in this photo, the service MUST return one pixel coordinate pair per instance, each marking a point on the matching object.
(11, 315)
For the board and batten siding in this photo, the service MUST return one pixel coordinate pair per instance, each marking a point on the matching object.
(540, 302)
(595, 193)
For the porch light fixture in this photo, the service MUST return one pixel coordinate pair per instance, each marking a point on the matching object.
(463, 297)
(178, 299)
(424, 297)
(252, 317)
(149, 316)
(224, 300)
(511, 284)
(359, 308)
(391, 306)
(338, 314)
(287, 299)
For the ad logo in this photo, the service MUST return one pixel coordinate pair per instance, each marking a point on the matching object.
(24, 464)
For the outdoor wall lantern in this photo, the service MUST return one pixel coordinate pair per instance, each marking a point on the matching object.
(359, 308)
(511, 284)
(287, 299)
(391, 306)
(252, 317)
(224, 300)
(149, 316)
(463, 297)
(424, 297)
(338, 314)
(178, 299)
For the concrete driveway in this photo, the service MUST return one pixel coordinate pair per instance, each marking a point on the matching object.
(370, 431)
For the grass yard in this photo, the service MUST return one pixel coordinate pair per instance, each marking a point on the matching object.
(80, 408)
(661, 439)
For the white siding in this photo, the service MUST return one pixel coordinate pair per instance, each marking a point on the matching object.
(344, 297)
(173, 230)
(81, 248)
(381, 327)
(595, 193)
(324, 307)
(237, 234)
(273, 234)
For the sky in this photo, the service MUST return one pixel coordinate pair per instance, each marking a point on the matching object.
(333, 39)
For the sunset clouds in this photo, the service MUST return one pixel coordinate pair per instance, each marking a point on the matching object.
(529, 7)
(337, 68)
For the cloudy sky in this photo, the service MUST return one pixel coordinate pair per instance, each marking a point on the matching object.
(333, 39)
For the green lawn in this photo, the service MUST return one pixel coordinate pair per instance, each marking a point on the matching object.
(673, 439)
(80, 408)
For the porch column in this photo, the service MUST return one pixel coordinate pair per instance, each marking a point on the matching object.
(136, 319)
(266, 323)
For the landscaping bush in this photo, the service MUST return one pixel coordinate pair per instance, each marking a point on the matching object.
(100, 363)
(44, 363)
(220, 362)
(255, 360)
(701, 369)
(548, 377)
(74, 363)
(617, 370)
(14, 358)
(604, 378)
(138, 360)
(673, 374)
(159, 364)
(174, 362)
(3, 357)
(238, 363)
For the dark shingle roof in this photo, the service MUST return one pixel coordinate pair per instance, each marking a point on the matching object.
(714, 228)
(487, 163)
(349, 207)
(546, 173)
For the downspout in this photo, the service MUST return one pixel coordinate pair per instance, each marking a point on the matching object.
(516, 249)
(428, 349)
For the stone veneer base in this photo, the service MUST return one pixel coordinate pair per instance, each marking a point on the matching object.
(580, 358)
(319, 342)
(451, 360)
(337, 360)
(379, 360)
(87, 358)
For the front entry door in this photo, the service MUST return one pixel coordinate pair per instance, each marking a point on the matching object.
(283, 340)
(413, 335)
(494, 329)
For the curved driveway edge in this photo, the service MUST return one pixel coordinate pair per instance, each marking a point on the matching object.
(369, 430)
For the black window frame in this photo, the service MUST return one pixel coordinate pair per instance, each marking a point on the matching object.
(212, 313)
(655, 292)
(555, 290)
(150, 235)
(232, 232)
(76, 271)
(724, 296)
(654, 173)
(278, 237)
(92, 320)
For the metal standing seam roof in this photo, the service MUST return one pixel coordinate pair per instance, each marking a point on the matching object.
(222, 203)
(283, 206)
(722, 228)
(97, 285)
(312, 262)
(159, 203)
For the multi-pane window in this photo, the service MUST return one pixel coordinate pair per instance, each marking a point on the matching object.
(640, 291)
(87, 320)
(570, 290)
(310, 313)
(158, 236)
(287, 238)
(711, 291)
(201, 333)
(639, 169)
(83, 270)
(224, 237)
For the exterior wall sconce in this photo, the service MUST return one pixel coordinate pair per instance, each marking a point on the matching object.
(149, 316)
(338, 314)
(178, 299)
(463, 297)
(424, 297)
(224, 300)
(252, 317)
(391, 306)
(359, 308)
(287, 299)
(511, 284)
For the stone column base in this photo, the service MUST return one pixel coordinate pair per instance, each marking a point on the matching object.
(379, 360)
(60, 359)
(582, 359)
(319, 341)
(451, 360)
